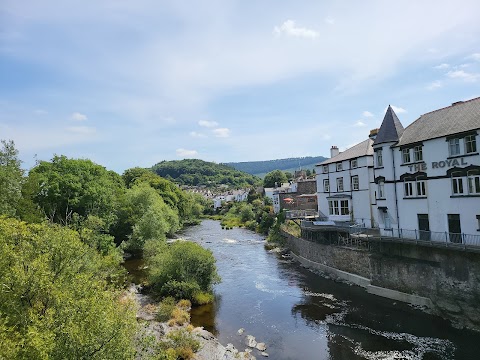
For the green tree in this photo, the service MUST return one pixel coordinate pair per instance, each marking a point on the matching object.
(289, 175)
(56, 299)
(147, 215)
(11, 178)
(181, 269)
(76, 186)
(274, 177)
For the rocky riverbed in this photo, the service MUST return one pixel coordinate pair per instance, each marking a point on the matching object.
(210, 347)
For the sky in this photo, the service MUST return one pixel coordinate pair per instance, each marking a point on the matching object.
(132, 83)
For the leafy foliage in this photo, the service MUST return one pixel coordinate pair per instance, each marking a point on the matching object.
(275, 177)
(76, 186)
(181, 269)
(11, 178)
(56, 300)
(198, 172)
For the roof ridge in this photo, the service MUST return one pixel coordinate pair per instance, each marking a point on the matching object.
(460, 102)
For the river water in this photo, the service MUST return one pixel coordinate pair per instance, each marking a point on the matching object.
(301, 315)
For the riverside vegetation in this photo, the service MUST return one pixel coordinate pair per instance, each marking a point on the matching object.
(64, 228)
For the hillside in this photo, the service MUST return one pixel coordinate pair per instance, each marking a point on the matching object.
(260, 168)
(195, 172)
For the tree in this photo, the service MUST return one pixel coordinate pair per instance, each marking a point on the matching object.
(274, 177)
(181, 269)
(56, 299)
(147, 215)
(76, 186)
(11, 178)
(289, 175)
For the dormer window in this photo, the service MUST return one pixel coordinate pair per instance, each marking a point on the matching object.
(339, 166)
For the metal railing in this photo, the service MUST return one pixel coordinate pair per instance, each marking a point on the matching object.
(432, 238)
(300, 214)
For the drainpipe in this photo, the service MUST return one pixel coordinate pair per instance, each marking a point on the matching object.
(395, 187)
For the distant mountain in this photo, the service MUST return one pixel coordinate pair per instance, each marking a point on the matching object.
(260, 168)
(196, 172)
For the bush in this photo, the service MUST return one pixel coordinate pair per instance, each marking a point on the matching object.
(184, 304)
(179, 289)
(181, 270)
(179, 316)
(184, 343)
(165, 309)
(202, 298)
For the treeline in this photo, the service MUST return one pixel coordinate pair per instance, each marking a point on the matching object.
(262, 167)
(194, 172)
(63, 229)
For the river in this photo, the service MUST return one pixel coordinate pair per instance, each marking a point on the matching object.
(301, 315)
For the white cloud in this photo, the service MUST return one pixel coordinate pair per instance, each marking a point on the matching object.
(82, 130)
(222, 132)
(360, 123)
(442, 66)
(186, 153)
(475, 57)
(76, 116)
(197, 134)
(434, 85)
(367, 114)
(398, 110)
(460, 74)
(206, 123)
(41, 112)
(330, 20)
(288, 28)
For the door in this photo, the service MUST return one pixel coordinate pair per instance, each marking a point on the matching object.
(423, 226)
(454, 228)
(386, 220)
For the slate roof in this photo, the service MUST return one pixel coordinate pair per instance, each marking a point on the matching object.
(391, 129)
(362, 149)
(460, 117)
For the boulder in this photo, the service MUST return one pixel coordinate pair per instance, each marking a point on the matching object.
(240, 331)
(250, 341)
(261, 346)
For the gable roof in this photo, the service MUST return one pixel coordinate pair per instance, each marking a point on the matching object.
(459, 117)
(362, 149)
(391, 129)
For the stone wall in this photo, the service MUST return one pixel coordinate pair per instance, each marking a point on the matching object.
(307, 186)
(352, 260)
(450, 278)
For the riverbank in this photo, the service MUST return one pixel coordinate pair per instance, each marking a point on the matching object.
(210, 348)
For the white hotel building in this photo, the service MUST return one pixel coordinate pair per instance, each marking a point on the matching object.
(422, 181)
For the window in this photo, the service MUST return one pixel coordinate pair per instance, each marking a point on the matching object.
(333, 207)
(325, 169)
(478, 222)
(379, 158)
(355, 184)
(326, 185)
(339, 184)
(473, 180)
(421, 188)
(353, 164)
(457, 185)
(339, 166)
(417, 153)
(454, 147)
(470, 144)
(381, 189)
(406, 156)
(408, 187)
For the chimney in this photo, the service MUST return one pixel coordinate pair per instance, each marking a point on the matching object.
(373, 134)
(334, 151)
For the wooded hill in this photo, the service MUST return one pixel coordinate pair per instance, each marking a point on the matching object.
(196, 172)
(260, 168)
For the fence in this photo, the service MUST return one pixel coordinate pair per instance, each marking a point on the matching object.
(357, 231)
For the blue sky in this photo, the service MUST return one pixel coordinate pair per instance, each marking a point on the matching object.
(131, 83)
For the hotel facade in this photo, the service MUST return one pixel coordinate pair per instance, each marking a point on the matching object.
(420, 182)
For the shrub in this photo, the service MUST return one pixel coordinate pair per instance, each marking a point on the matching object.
(202, 298)
(184, 304)
(165, 309)
(179, 289)
(180, 316)
(184, 343)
